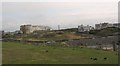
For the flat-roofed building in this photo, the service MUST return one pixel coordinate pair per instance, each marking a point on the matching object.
(83, 28)
(116, 25)
(26, 29)
(103, 25)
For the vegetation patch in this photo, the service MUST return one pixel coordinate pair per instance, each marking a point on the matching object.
(18, 53)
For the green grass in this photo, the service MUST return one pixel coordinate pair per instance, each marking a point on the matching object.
(18, 53)
(51, 36)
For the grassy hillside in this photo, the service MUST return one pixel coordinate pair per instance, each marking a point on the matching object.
(17, 53)
(110, 31)
(51, 35)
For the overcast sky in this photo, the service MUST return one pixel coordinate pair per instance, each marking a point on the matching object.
(54, 13)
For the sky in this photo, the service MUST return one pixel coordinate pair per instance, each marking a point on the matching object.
(66, 13)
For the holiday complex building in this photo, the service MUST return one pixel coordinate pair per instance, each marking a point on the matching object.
(26, 29)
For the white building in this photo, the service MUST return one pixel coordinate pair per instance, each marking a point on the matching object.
(83, 28)
(31, 28)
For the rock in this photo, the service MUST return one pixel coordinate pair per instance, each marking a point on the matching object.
(95, 59)
(46, 51)
(105, 58)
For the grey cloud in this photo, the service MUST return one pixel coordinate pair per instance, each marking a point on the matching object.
(66, 14)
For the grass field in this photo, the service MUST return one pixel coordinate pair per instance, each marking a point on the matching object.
(18, 53)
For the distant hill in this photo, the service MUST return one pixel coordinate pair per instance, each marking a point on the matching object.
(110, 31)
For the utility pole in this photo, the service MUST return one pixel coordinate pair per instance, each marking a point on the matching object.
(58, 27)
